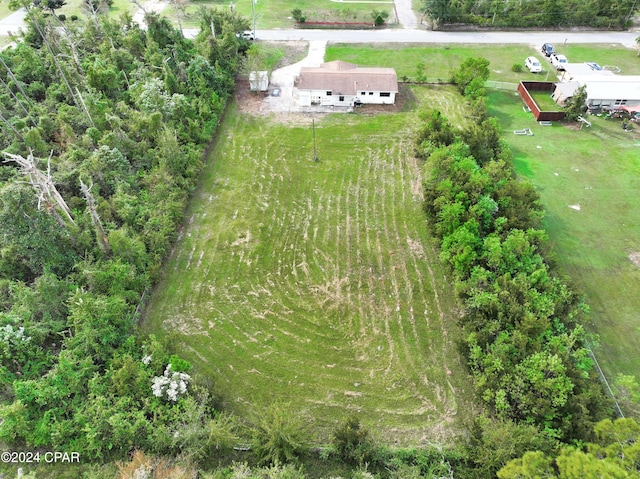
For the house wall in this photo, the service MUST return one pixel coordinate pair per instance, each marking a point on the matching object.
(320, 97)
(608, 104)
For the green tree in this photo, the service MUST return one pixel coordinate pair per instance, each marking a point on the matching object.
(440, 11)
(470, 76)
(576, 105)
(614, 456)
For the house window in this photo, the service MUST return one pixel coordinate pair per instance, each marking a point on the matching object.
(341, 98)
(328, 93)
(370, 93)
(363, 93)
(621, 102)
(385, 93)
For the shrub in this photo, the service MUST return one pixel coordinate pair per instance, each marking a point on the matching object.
(296, 13)
(74, 18)
(279, 436)
(379, 17)
(351, 442)
(517, 68)
(62, 17)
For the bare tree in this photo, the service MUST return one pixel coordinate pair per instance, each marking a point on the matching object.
(11, 127)
(103, 242)
(42, 183)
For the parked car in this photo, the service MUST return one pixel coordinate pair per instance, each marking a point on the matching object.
(558, 61)
(533, 65)
(247, 35)
(547, 49)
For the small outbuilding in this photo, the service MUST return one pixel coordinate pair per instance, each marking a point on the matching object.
(339, 83)
(259, 81)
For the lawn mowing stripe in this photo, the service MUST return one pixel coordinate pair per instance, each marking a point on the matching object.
(327, 311)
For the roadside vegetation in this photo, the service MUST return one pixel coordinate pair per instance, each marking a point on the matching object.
(605, 14)
(278, 14)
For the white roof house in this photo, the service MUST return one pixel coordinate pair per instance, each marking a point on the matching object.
(604, 88)
(339, 83)
(573, 70)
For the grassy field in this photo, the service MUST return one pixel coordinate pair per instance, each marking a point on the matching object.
(441, 60)
(277, 13)
(597, 170)
(317, 282)
(544, 101)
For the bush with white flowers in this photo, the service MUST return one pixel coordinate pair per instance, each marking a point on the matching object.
(171, 385)
(12, 335)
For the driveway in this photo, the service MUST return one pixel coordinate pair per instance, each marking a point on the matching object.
(13, 23)
(284, 78)
(406, 16)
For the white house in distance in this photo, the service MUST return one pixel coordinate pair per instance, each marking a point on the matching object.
(604, 89)
(339, 83)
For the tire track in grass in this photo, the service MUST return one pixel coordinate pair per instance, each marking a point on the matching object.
(301, 299)
(403, 296)
(401, 265)
(386, 309)
(359, 303)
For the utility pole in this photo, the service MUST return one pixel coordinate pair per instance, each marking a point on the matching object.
(313, 127)
(253, 12)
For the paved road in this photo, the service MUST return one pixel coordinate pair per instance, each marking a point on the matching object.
(13, 23)
(425, 36)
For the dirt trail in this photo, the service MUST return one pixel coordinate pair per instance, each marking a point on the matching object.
(406, 16)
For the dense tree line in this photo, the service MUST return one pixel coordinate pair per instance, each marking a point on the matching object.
(609, 14)
(523, 337)
(103, 131)
(615, 453)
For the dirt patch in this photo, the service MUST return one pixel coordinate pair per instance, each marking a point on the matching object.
(635, 258)
(254, 103)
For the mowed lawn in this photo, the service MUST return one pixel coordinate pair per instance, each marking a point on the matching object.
(277, 13)
(317, 283)
(598, 170)
(441, 59)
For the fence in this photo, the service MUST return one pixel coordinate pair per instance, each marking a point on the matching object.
(604, 380)
(501, 85)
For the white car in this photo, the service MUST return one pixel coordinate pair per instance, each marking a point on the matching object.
(533, 65)
(559, 61)
(247, 35)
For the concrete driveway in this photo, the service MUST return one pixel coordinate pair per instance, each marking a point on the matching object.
(12, 24)
(284, 78)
